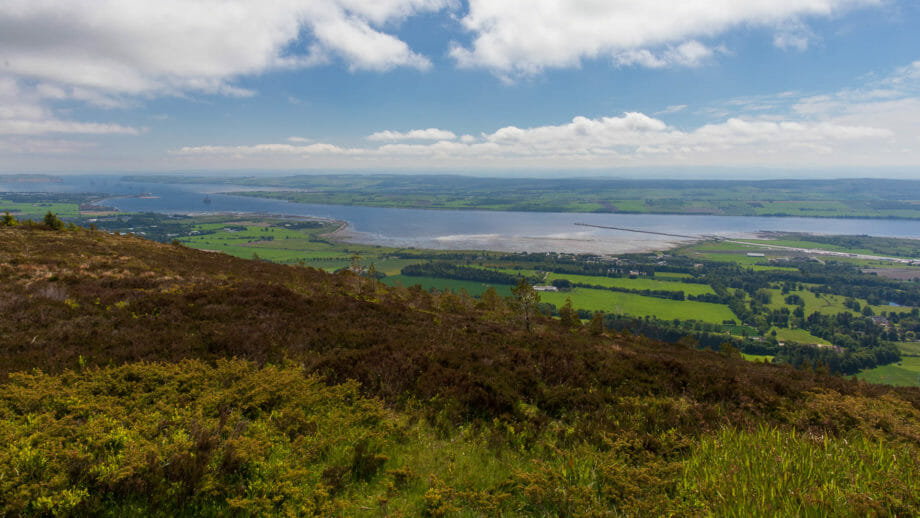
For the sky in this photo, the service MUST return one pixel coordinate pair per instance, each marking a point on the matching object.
(672, 88)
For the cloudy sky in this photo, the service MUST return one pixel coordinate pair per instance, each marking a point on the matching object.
(822, 87)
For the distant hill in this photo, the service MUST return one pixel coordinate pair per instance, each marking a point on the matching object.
(148, 378)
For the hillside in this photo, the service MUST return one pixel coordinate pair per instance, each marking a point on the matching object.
(148, 378)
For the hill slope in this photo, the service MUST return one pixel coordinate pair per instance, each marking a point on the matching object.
(551, 421)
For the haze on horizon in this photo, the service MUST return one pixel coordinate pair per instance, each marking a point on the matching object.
(704, 88)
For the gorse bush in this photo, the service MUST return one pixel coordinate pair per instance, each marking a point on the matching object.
(183, 438)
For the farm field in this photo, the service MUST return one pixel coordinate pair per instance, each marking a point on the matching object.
(672, 284)
(801, 336)
(279, 244)
(37, 210)
(904, 373)
(826, 304)
(639, 305)
(474, 288)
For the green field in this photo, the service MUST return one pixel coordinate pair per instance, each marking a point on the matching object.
(639, 305)
(474, 288)
(909, 348)
(797, 335)
(757, 357)
(738, 258)
(634, 284)
(284, 245)
(39, 209)
(904, 373)
(827, 304)
(671, 275)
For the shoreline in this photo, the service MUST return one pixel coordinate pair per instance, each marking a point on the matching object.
(556, 240)
(249, 194)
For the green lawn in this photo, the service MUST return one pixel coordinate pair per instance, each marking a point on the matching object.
(639, 305)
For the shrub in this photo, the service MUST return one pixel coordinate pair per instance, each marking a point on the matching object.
(183, 438)
(52, 221)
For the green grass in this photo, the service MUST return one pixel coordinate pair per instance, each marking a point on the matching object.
(671, 275)
(474, 288)
(827, 304)
(639, 305)
(757, 357)
(780, 473)
(39, 209)
(909, 348)
(634, 284)
(728, 258)
(291, 246)
(797, 335)
(763, 267)
(905, 374)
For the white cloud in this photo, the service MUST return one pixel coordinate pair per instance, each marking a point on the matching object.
(793, 35)
(674, 108)
(41, 127)
(264, 150)
(523, 37)
(22, 113)
(42, 146)
(418, 134)
(100, 50)
(114, 53)
(630, 139)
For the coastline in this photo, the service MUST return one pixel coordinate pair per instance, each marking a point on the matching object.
(252, 194)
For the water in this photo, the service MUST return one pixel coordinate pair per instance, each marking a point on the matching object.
(465, 230)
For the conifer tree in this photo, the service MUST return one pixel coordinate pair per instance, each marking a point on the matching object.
(53, 222)
(8, 220)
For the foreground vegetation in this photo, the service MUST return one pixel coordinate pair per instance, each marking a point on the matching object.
(147, 378)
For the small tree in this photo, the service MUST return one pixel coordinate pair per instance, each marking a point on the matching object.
(728, 350)
(355, 265)
(8, 220)
(528, 301)
(53, 222)
(490, 299)
(597, 323)
(568, 316)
